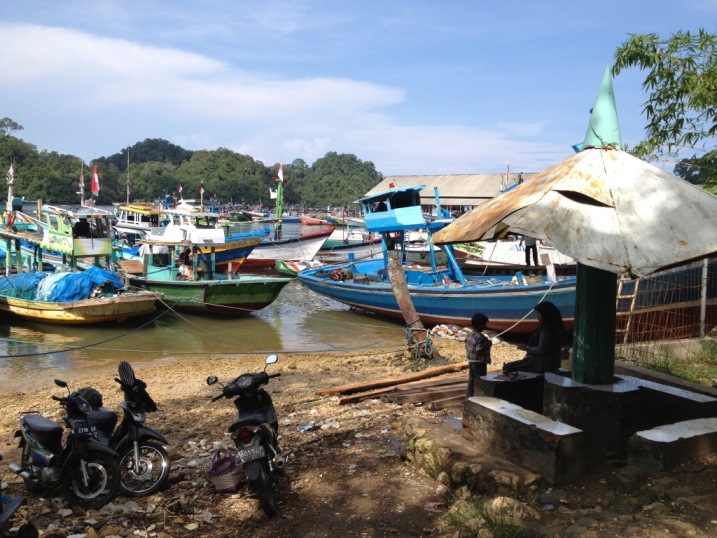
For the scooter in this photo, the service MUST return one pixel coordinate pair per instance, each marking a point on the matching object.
(255, 432)
(84, 469)
(143, 461)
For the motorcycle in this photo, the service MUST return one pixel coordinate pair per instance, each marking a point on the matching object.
(84, 469)
(8, 505)
(255, 432)
(143, 461)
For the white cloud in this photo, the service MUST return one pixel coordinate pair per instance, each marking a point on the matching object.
(126, 92)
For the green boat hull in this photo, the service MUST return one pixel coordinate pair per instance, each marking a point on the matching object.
(229, 297)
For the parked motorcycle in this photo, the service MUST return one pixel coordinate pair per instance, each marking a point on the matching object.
(8, 506)
(255, 432)
(143, 460)
(84, 469)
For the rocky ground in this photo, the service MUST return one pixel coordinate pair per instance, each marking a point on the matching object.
(346, 475)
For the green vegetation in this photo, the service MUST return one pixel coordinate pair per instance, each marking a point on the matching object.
(700, 367)
(469, 512)
(681, 106)
(156, 168)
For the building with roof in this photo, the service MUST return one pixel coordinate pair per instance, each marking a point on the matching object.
(456, 191)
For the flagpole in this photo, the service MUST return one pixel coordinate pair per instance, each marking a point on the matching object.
(127, 176)
(10, 182)
(82, 183)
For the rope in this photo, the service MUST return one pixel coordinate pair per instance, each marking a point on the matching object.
(65, 349)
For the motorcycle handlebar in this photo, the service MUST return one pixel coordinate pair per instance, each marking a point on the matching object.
(274, 375)
(217, 398)
(57, 398)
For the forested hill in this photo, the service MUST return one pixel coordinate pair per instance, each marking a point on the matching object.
(157, 168)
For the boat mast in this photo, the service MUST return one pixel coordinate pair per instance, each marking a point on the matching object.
(127, 182)
(279, 201)
(81, 192)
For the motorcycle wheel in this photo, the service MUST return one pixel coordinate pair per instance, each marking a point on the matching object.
(264, 489)
(103, 474)
(152, 474)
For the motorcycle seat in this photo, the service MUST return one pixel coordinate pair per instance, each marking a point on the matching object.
(103, 419)
(40, 424)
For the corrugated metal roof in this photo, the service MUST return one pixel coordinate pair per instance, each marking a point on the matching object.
(453, 189)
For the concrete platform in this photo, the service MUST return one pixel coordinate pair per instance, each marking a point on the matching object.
(539, 444)
(666, 446)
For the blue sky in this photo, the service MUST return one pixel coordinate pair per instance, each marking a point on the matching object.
(416, 87)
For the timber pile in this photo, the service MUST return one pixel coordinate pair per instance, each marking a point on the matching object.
(432, 387)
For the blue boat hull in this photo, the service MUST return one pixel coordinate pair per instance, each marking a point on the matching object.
(508, 307)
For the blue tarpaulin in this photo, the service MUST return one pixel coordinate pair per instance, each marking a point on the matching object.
(78, 286)
(21, 286)
(57, 287)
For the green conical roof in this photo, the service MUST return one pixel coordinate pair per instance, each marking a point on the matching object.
(604, 129)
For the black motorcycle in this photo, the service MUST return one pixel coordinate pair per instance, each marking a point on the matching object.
(255, 432)
(143, 460)
(8, 506)
(84, 469)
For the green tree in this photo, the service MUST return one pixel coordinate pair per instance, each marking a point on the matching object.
(8, 126)
(338, 180)
(681, 86)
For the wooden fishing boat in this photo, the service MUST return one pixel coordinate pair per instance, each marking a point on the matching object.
(302, 247)
(201, 230)
(308, 220)
(114, 304)
(440, 294)
(71, 296)
(191, 284)
(676, 303)
(293, 267)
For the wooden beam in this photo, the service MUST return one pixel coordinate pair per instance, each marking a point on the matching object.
(369, 385)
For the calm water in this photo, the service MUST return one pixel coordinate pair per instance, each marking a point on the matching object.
(299, 320)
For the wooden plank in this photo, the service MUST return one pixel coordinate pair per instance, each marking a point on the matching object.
(437, 405)
(397, 397)
(415, 385)
(424, 374)
(131, 267)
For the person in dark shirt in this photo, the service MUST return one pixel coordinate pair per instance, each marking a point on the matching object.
(477, 351)
(544, 350)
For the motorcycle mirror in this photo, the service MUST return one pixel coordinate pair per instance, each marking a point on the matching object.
(60, 383)
(212, 380)
(271, 359)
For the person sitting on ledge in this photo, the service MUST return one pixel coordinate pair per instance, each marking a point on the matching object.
(545, 344)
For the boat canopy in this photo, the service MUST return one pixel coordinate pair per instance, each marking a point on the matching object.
(393, 210)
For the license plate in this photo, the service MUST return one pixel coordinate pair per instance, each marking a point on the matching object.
(83, 431)
(251, 454)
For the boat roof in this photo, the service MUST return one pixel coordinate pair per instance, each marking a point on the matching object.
(384, 195)
(395, 210)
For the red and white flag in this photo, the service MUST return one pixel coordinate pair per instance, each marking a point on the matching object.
(180, 188)
(201, 189)
(281, 172)
(10, 175)
(95, 189)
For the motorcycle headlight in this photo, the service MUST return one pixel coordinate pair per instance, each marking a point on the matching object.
(84, 406)
(139, 416)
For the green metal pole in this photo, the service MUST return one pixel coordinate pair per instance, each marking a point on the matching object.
(594, 331)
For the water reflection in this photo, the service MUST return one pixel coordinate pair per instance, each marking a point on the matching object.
(299, 320)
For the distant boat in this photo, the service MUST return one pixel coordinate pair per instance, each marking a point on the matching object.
(293, 268)
(201, 230)
(316, 221)
(302, 248)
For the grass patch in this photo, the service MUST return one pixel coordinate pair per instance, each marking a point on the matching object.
(495, 524)
(699, 367)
